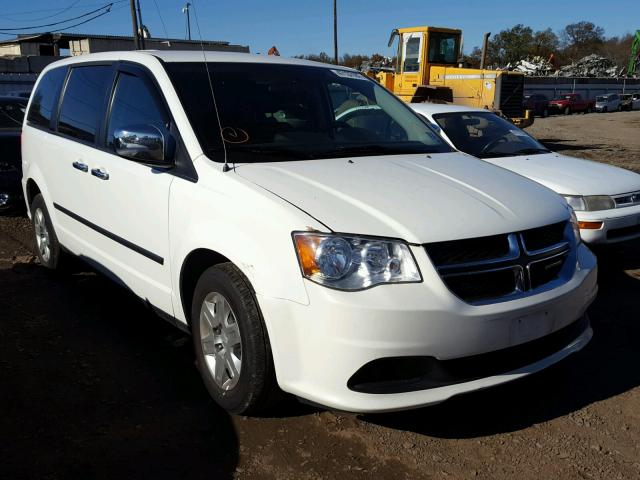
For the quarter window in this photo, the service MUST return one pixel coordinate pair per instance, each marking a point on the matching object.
(45, 97)
(83, 102)
(134, 104)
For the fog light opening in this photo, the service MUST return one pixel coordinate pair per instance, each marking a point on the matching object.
(4, 199)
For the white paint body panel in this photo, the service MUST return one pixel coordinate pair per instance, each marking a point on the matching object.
(319, 337)
(568, 176)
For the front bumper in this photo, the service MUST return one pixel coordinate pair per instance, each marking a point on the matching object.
(317, 348)
(618, 225)
(553, 107)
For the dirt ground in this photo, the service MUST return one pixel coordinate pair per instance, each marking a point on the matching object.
(94, 386)
(611, 138)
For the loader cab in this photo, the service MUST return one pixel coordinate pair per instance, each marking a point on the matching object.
(418, 49)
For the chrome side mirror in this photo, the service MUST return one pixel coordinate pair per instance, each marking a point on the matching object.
(144, 144)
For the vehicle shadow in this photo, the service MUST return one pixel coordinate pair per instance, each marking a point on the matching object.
(96, 386)
(605, 368)
(564, 145)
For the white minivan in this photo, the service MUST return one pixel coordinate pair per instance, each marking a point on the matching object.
(360, 264)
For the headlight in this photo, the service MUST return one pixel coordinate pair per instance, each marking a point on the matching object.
(591, 203)
(599, 202)
(348, 262)
(575, 225)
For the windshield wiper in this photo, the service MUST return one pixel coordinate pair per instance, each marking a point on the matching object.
(284, 153)
(376, 149)
(530, 151)
(524, 151)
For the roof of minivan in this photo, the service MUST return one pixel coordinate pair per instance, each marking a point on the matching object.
(192, 56)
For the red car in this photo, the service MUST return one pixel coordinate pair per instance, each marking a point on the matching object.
(569, 103)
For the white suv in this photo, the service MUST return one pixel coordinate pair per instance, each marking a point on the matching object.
(359, 263)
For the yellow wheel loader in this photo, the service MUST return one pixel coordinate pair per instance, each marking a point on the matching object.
(427, 69)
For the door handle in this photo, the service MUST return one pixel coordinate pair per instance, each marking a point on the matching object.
(81, 166)
(101, 174)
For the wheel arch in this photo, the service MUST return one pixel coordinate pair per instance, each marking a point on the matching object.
(193, 266)
(32, 189)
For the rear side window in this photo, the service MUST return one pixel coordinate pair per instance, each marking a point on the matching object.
(45, 97)
(134, 104)
(83, 101)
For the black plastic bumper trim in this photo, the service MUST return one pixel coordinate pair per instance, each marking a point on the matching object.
(122, 241)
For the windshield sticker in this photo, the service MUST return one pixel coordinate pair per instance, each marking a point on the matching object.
(349, 74)
(519, 133)
(234, 135)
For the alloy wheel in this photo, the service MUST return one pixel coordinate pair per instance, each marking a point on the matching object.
(220, 340)
(43, 240)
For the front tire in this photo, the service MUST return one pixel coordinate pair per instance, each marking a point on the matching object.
(48, 248)
(231, 344)
(567, 111)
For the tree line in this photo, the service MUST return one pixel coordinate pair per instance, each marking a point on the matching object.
(573, 42)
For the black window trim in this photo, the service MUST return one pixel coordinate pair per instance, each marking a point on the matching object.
(159, 100)
(183, 163)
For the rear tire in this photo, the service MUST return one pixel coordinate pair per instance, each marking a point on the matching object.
(545, 113)
(231, 344)
(48, 247)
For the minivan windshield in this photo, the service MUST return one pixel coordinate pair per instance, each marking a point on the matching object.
(277, 112)
(486, 135)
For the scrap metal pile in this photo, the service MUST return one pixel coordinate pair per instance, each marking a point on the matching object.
(536, 67)
(385, 65)
(589, 66)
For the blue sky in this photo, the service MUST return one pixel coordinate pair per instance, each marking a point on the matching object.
(305, 26)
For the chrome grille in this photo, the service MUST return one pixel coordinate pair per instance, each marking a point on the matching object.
(502, 267)
(627, 199)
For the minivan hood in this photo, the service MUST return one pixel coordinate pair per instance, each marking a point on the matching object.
(570, 175)
(419, 198)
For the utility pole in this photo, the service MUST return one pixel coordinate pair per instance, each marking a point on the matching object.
(134, 20)
(335, 31)
(185, 10)
(141, 27)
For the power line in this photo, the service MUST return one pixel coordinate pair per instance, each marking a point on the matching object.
(108, 7)
(58, 10)
(71, 26)
(164, 27)
(46, 17)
